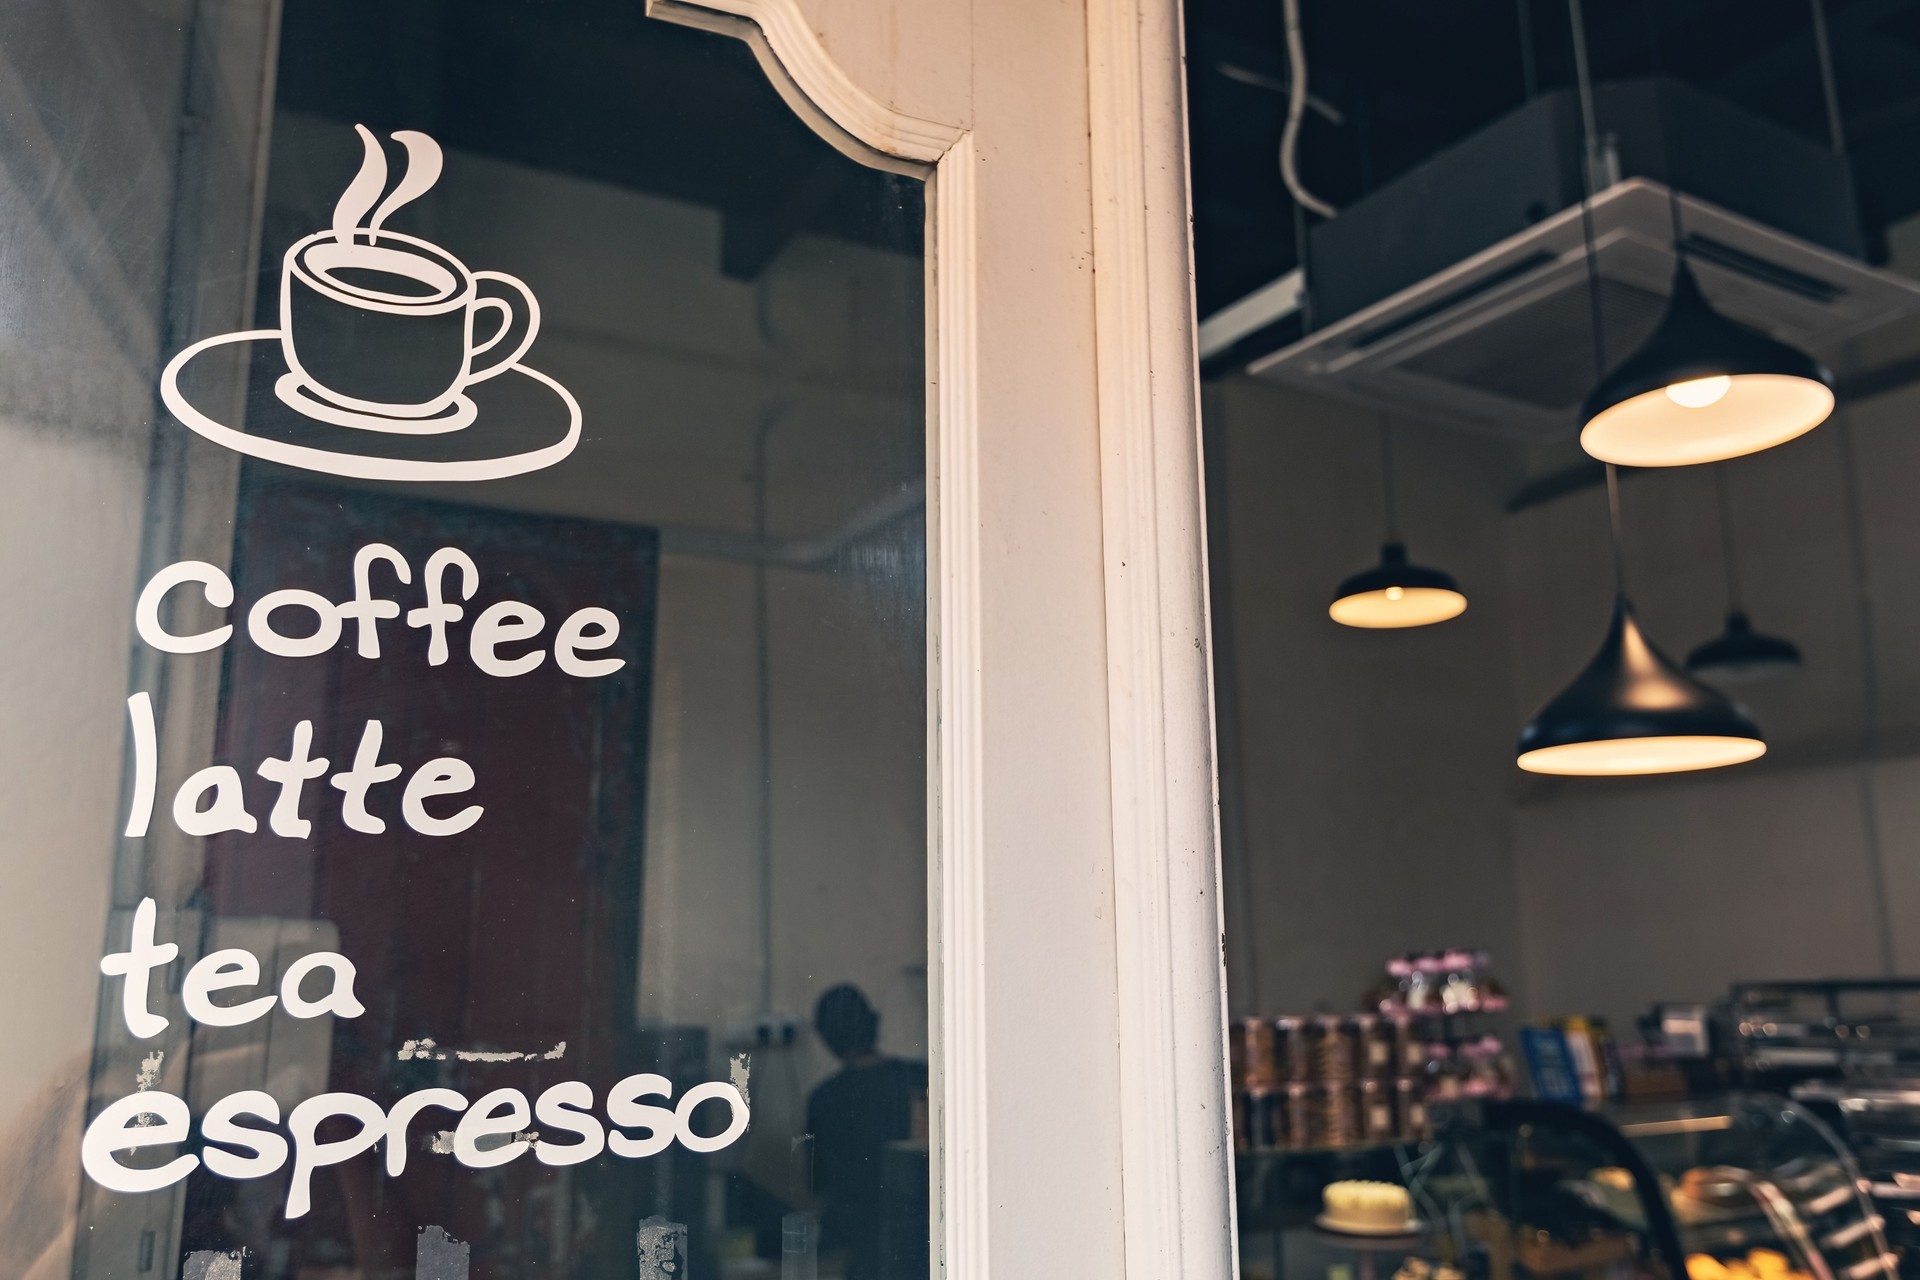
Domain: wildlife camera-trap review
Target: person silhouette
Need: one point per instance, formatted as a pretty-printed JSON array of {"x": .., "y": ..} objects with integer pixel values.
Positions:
[{"x": 853, "y": 1115}]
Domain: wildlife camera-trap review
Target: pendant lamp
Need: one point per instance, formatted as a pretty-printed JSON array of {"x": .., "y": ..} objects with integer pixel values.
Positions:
[
  {"x": 1395, "y": 593},
  {"x": 1702, "y": 388},
  {"x": 1632, "y": 711},
  {"x": 1739, "y": 655}
]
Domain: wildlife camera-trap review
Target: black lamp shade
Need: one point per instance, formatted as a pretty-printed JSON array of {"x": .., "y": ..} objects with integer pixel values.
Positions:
[
  {"x": 1633, "y": 712},
  {"x": 1701, "y": 389},
  {"x": 1741, "y": 655},
  {"x": 1395, "y": 593}
]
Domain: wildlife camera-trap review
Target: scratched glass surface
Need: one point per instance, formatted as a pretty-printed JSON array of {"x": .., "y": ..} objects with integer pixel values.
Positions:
[{"x": 464, "y": 754}]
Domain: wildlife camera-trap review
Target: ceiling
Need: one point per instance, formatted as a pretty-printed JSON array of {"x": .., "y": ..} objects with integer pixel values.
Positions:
[{"x": 1397, "y": 80}]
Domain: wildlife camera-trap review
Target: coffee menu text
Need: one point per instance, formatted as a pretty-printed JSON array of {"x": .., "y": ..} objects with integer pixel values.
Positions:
[{"x": 243, "y": 1133}]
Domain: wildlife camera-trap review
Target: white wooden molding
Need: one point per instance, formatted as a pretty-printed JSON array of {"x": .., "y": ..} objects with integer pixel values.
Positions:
[
  {"x": 957, "y": 917},
  {"x": 866, "y": 129},
  {"x": 1175, "y": 1137},
  {"x": 815, "y": 86}
]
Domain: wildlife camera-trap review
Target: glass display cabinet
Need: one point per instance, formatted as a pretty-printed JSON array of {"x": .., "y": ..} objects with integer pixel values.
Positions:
[{"x": 1742, "y": 1187}]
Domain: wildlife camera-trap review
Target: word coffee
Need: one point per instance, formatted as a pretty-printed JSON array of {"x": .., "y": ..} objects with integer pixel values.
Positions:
[
  {"x": 213, "y": 799},
  {"x": 505, "y": 622}
]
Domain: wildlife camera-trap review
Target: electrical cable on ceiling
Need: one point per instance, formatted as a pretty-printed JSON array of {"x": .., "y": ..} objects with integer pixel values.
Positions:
[
  {"x": 1296, "y": 109},
  {"x": 1829, "y": 86}
]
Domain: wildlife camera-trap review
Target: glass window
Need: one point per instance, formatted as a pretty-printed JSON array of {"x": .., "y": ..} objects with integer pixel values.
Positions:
[
  {"x": 1561, "y": 454},
  {"x": 465, "y": 747}
]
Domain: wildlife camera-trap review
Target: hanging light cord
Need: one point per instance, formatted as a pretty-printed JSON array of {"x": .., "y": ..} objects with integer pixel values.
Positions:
[
  {"x": 1618, "y": 537},
  {"x": 1586, "y": 200},
  {"x": 1600, "y": 371},
  {"x": 1593, "y": 282},
  {"x": 1296, "y": 110},
  {"x": 1868, "y": 754},
  {"x": 1734, "y": 602},
  {"x": 1583, "y": 75},
  {"x": 1829, "y": 88},
  {"x": 1386, "y": 480},
  {"x": 1675, "y": 229}
]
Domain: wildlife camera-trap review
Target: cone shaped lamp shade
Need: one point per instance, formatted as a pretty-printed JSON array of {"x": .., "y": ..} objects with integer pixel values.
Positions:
[
  {"x": 1701, "y": 389},
  {"x": 1741, "y": 655},
  {"x": 1633, "y": 712},
  {"x": 1396, "y": 594}
]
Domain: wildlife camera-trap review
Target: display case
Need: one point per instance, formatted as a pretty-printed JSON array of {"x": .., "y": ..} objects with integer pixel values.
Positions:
[
  {"x": 1750, "y": 1177},
  {"x": 1878, "y": 1116},
  {"x": 1742, "y": 1187}
]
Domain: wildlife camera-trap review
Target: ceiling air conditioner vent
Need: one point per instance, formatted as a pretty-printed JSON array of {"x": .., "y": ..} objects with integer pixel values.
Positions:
[{"x": 1503, "y": 340}]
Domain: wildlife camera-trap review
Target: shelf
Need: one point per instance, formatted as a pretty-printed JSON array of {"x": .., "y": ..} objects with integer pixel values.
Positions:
[
  {"x": 1435, "y": 1015},
  {"x": 1276, "y": 1155}
]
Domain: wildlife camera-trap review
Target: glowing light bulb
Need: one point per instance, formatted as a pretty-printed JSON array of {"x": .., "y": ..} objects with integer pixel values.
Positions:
[
  {"x": 1396, "y": 593},
  {"x": 1698, "y": 393}
]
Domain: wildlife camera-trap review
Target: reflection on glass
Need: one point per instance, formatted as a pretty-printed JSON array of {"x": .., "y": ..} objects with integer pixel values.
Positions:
[{"x": 465, "y": 756}]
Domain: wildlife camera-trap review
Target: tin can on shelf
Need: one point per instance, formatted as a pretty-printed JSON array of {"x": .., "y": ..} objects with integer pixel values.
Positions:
[
  {"x": 1292, "y": 1054},
  {"x": 1411, "y": 1106},
  {"x": 1339, "y": 1115},
  {"x": 1300, "y": 1118},
  {"x": 1259, "y": 1120},
  {"x": 1377, "y": 1123},
  {"x": 1333, "y": 1049},
  {"x": 1250, "y": 1043},
  {"x": 1376, "y": 1047},
  {"x": 1410, "y": 1047}
]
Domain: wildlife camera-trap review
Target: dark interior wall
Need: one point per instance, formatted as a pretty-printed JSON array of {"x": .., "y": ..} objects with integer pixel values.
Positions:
[
  {"x": 1375, "y": 800},
  {"x": 1373, "y": 803},
  {"x": 1374, "y": 768},
  {"x": 1802, "y": 864}
]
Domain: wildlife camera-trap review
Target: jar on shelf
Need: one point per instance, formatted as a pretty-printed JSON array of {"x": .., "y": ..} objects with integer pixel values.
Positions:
[
  {"x": 1423, "y": 985},
  {"x": 1460, "y": 981},
  {"x": 1400, "y": 970}
]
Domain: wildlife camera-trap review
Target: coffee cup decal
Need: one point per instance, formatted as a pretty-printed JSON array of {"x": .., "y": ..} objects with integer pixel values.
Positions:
[{"x": 392, "y": 334}]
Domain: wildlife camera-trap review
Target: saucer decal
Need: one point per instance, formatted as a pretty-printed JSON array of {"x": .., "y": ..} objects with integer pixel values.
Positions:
[{"x": 385, "y": 363}]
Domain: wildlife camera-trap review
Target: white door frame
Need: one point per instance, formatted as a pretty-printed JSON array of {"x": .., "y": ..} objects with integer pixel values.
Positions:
[{"x": 1077, "y": 990}]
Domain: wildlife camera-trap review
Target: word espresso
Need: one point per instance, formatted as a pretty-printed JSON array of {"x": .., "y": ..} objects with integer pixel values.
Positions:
[
  {"x": 213, "y": 799},
  {"x": 242, "y": 1132}
]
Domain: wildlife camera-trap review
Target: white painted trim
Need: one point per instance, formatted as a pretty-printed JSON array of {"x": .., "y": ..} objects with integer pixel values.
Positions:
[
  {"x": 1176, "y": 1143},
  {"x": 814, "y": 85},
  {"x": 958, "y": 915},
  {"x": 861, "y": 126}
]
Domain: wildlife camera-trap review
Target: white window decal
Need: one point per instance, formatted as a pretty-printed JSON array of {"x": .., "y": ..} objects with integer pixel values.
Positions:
[{"x": 385, "y": 344}]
